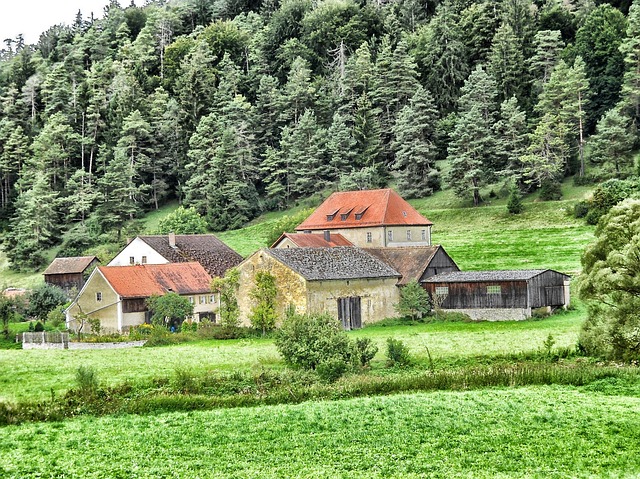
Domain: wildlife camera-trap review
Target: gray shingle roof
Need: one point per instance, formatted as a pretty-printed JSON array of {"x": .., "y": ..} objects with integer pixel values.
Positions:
[
  {"x": 215, "y": 256},
  {"x": 481, "y": 276},
  {"x": 345, "y": 262},
  {"x": 76, "y": 264}
]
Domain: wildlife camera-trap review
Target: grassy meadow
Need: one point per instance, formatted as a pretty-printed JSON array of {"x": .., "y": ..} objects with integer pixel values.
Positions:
[{"x": 549, "y": 431}]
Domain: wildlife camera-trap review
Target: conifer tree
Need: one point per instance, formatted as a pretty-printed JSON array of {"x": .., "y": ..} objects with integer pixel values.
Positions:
[
  {"x": 612, "y": 144},
  {"x": 630, "y": 48},
  {"x": 506, "y": 63},
  {"x": 511, "y": 139}
]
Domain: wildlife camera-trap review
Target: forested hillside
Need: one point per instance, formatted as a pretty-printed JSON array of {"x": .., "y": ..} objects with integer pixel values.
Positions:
[{"x": 236, "y": 107}]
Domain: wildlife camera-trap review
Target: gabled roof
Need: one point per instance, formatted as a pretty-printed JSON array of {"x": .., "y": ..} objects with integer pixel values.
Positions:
[
  {"x": 314, "y": 240},
  {"x": 482, "y": 276},
  {"x": 410, "y": 261},
  {"x": 342, "y": 262},
  {"x": 358, "y": 209},
  {"x": 76, "y": 264},
  {"x": 142, "y": 281},
  {"x": 215, "y": 256}
]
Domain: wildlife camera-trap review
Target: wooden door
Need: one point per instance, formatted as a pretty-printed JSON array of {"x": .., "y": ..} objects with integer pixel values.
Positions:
[{"x": 350, "y": 312}]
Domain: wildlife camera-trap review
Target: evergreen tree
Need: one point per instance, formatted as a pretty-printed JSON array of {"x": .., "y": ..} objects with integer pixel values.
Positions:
[
  {"x": 511, "y": 138},
  {"x": 548, "y": 45},
  {"x": 415, "y": 152},
  {"x": 630, "y": 48},
  {"x": 472, "y": 151},
  {"x": 341, "y": 146},
  {"x": 613, "y": 142},
  {"x": 547, "y": 152},
  {"x": 506, "y": 63}
]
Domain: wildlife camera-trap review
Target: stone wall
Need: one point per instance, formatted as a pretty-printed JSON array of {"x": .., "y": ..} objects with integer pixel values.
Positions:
[{"x": 494, "y": 314}]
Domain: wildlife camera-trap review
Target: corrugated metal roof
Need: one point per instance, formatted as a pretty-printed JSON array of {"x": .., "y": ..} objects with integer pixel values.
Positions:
[
  {"x": 482, "y": 276},
  {"x": 215, "y": 256},
  {"x": 342, "y": 262},
  {"x": 314, "y": 240},
  {"x": 358, "y": 209},
  {"x": 76, "y": 264},
  {"x": 410, "y": 261},
  {"x": 142, "y": 281}
]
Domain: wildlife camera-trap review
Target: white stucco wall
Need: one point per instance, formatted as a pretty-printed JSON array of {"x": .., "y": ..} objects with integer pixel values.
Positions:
[{"x": 137, "y": 248}]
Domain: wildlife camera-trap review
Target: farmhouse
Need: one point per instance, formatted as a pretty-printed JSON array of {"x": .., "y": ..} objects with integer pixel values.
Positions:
[
  {"x": 116, "y": 295},
  {"x": 69, "y": 273},
  {"x": 215, "y": 256},
  {"x": 416, "y": 263},
  {"x": 311, "y": 240},
  {"x": 345, "y": 282},
  {"x": 496, "y": 295},
  {"x": 370, "y": 219}
]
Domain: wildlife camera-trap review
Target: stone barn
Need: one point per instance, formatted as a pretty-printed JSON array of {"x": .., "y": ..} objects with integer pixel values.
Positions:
[
  {"x": 346, "y": 282},
  {"x": 499, "y": 295}
]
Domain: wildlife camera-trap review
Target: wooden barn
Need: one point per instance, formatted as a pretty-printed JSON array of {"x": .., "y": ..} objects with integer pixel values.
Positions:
[
  {"x": 416, "y": 263},
  {"x": 498, "y": 295},
  {"x": 69, "y": 273}
]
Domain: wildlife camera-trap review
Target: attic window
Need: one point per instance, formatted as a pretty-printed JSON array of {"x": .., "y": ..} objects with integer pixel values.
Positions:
[
  {"x": 360, "y": 212},
  {"x": 358, "y": 216},
  {"x": 332, "y": 215},
  {"x": 345, "y": 215},
  {"x": 404, "y": 213}
]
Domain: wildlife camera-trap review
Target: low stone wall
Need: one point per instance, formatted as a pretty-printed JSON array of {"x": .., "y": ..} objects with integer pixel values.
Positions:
[
  {"x": 54, "y": 340},
  {"x": 494, "y": 314}
]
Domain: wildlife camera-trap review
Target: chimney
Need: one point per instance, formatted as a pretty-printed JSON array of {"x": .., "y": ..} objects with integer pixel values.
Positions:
[
  {"x": 172, "y": 240},
  {"x": 327, "y": 235}
]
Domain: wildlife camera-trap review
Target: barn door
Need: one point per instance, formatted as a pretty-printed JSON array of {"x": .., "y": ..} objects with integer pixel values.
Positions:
[{"x": 350, "y": 312}]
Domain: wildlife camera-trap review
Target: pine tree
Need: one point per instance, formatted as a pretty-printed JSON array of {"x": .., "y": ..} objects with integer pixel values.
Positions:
[
  {"x": 630, "y": 48},
  {"x": 472, "y": 151},
  {"x": 547, "y": 152},
  {"x": 341, "y": 146},
  {"x": 511, "y": 138},
  {"x": 415, "y": 152},
  {"x": 506, "y": 63},
  {"x": 612, "y": 145},
  {"x": 548, "y": 45}
]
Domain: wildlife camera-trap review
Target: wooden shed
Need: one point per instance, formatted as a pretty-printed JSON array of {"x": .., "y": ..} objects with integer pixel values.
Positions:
[
  {"x": 69, "y": 273},
  {"x": 496, "y": 295}
]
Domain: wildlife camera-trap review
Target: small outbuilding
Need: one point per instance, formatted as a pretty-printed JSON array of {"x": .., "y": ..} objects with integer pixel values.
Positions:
[
  {"x": 499, "y": 295},
  {"x": 345, "y": 282},
  {"x": 416, "y": 263},
  {"x": 70, "y": 273}
]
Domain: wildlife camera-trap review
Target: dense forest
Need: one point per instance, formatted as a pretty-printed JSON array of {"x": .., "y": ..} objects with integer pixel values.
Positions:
[{"x": 236, "y": 107}]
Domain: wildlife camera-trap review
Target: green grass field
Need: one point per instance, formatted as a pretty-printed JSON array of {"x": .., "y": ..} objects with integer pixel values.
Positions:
[
  {"x": 550, "y": 432},
  {"x": 33, "y": 374}
]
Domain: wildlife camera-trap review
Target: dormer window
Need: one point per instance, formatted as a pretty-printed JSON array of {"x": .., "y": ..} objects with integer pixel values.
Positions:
[
  {"x": 332, "y": 215},
  {"x": 360, "y": 212},
  {"x": 358, "y": 216},
  {"x": 404, "y": 213},
  {"x": 345, "y": 215}
]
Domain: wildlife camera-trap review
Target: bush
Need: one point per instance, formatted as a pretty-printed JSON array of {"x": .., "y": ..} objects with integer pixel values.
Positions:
[
  {"x": 39, "y": 327},
  {"x": 43, "y": 299},
  {"x": 581, "y": 209},
  {"x": 397, "y": 353},
  {"x": 87, "y": 380},
  {"x": 332, "y": 369},
  {"x": 365, "y": 350},
  {"x": 309, "y": 340},
  {"x": 550, "y": 191},
  {"x": 514, "y": 205}
]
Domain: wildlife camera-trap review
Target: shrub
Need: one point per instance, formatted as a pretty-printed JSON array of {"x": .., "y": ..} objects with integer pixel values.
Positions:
[
  {"x": 309, "y": 340},
  {"x": 397, "y": 353},
  {"x": 87, "y": 380},
  {"x": 365, "y": 350},
  {"x": 43, "y": 299},
  {"x": 39, "y": 327},
  {"x": 182, "y": 221},
  {"x": 332, "y": 369},
  {"x": 550, "y": 191},
  {"x": 514, "y": 205},
  {"x": 414, "y": 301},
  {"x": 56, "y": 317}
]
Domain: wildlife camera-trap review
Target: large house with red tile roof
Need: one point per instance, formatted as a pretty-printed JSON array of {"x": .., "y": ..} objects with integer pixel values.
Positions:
[
  {"x": 116, "y": 295},
  {"x": 370, "y": 219}
]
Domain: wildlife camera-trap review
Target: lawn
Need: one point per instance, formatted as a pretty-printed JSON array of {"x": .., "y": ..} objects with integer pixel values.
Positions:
[
  {"x": 546, "y": 431},
  {"x": 33, "y": 374}
]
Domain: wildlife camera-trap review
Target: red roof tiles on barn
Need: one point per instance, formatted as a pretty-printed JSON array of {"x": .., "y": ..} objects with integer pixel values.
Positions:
[
  {"x": 357, "y": 209},
  {"x": 142, "y": 281}
]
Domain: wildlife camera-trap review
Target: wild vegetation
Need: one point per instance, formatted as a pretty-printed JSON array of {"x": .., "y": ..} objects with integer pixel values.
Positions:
[{"x": 239, "y": 108}]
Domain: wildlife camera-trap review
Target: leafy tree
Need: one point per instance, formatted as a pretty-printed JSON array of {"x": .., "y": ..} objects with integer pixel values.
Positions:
[
  {"x": 263, "y": 313},
  {"x": 414, "y": 301},
  {"x": 285, "y": 224},
  {"x": 415, "y": 153},
  {"x": 169, "y": 309},
  {"x": 182, "y": 221},
  {"x": 43, "y": 299},
  {"x": 611, "y": 285},
  {"x": 227, "y": 288}
]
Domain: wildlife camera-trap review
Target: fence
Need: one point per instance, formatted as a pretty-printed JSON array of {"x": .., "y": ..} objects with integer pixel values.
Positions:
[{"x": 45, "y": 340}]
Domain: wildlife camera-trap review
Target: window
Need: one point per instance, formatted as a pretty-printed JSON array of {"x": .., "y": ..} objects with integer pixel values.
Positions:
[
  {"x": 494, "y": 289},
  {"x": 330, "y": 217},
  {"x": 132, "y": 260},
  {"x": 442, "y": 290},
  {"x": 389, "y": 235},
  {"x": 404, "y": 213},
  {"x": 369, "y": 237},
  {"x": 424, "y": 235},
  {"x": 408, "y": 235},
  {"x": 99, "y": 297},
  {"x": 212, "y": 299},
  {"x": 191, "y": 299},
  {"x": 203, "y": 300},
  {"x": 144, "y": 260},
  {"x": 358, "y": 216}
]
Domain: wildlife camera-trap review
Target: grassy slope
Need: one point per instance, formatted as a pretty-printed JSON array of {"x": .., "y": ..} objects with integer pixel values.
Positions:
[
  {"x": 34, "y": 373},
  {"x": 550, "y": 432}
]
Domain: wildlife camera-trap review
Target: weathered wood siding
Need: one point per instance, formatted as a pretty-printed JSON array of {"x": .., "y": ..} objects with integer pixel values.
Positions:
[
  {"x": 513, "y": 294},
  {"x": 66, "y": 281},
  {"x": 547, "y": 289},
  {"x": 441, "y": 263}
]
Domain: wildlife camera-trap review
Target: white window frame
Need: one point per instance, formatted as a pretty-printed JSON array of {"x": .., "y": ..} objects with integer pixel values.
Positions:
[
  {"x": 408, "y": 235},
  {"x": 442, "y": 290},
  {"x": 390, "y": 236},
  {"x": 98, "y": 296},
  {"x": 369, "y": 237},
  {"x": 132, "y": 260},
  {"x": 494, "y": 289},
  {"x": 424, "y": 235},
  {"x": 144, "y": 260}
]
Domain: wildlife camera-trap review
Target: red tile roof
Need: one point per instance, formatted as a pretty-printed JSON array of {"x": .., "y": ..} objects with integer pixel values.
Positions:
[
  {"x": 142, "y": 281},
  {"x": 314, "y": 240},
  {"x": 75, "y": 264},
  {"x": 358, "y": 209}
]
